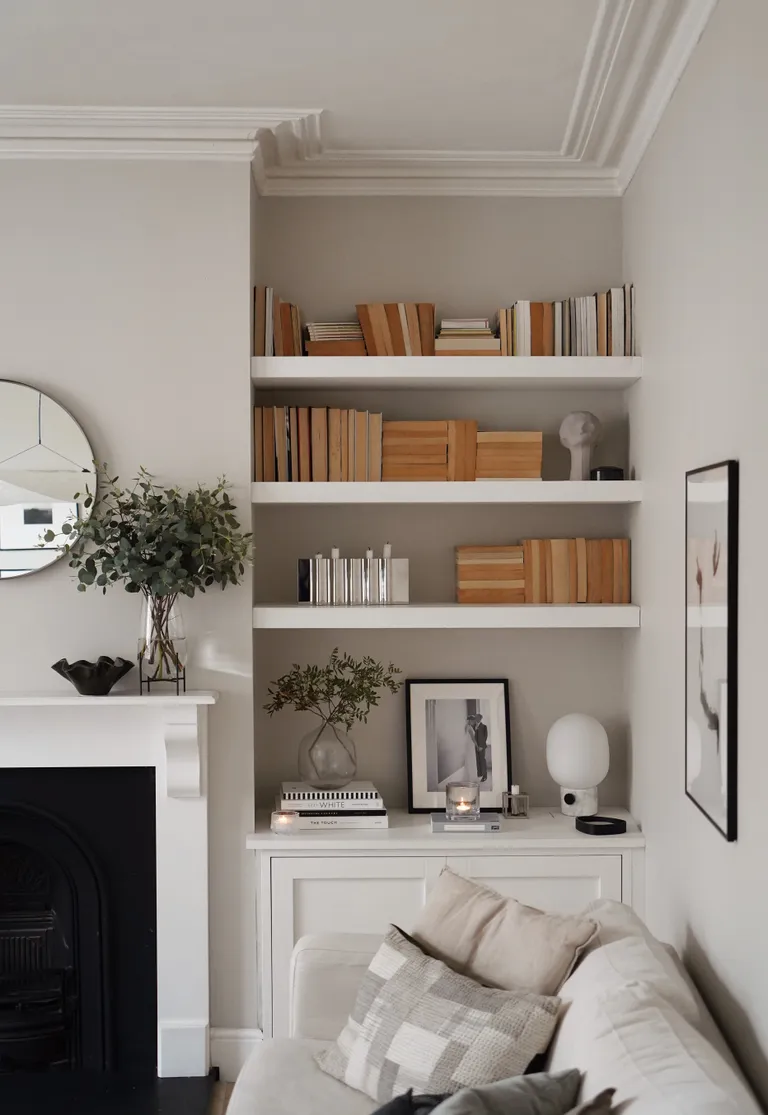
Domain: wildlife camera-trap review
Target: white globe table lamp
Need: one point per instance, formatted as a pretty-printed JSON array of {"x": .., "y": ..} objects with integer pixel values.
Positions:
[{"x": 578, "y": 758}]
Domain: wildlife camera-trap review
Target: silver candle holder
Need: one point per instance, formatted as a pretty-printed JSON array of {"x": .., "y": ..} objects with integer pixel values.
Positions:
[{"x": 339, "y": 581}]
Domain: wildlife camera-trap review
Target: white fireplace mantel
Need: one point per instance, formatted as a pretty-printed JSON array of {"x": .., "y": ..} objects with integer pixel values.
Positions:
[{"x": 170, "y": 733}]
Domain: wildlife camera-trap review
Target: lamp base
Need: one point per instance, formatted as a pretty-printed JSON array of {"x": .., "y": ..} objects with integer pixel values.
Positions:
[{"x": 578, "y": 803}]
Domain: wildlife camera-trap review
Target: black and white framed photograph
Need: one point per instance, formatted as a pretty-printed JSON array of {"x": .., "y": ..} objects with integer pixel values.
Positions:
[
  {"x": 457, "y": 731},
  {"x": 711, "y": 538}
]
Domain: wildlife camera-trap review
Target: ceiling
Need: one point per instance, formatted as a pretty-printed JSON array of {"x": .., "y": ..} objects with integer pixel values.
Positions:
[{"x": 411, "y": 96}]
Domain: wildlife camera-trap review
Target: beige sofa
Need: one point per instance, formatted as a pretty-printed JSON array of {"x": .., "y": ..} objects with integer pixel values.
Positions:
[{"x": 632, "y": 1021}]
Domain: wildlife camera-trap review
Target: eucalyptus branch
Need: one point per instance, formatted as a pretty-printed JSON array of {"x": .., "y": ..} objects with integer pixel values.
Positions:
[
  {"x": 159, "y": 541},
  {"x": 349, "y": 687}
]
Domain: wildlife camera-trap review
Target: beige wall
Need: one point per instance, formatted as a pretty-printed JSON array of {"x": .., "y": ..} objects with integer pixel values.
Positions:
[
  {"x": 696, "y": 230},
  {"x": 124, "y": 293},
  {"x": 469, "y": 255}
]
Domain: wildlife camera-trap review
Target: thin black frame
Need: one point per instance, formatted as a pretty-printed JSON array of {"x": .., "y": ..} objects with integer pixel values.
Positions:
[
  {"x": 732, "y": 592},
  {"x": 453, "y": 681}
]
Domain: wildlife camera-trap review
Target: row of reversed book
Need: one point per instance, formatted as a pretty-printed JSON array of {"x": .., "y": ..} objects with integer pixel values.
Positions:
[
  {"x": 328, "y": 444},
  {"x": 600, "y": 324},
  {"x": 545, "y": 571}
]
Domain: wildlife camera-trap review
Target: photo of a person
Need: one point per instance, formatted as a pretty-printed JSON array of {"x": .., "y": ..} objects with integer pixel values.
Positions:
[
  {"x": 458, "y": 742},
  {"x": 478, "y": 730},
  {"x": 457, "y": 731}
]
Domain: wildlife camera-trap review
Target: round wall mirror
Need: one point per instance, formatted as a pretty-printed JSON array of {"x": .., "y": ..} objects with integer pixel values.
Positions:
[{"x": 45, "y": 459}]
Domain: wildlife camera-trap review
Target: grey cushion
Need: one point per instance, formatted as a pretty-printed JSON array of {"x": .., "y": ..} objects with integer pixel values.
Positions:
[
  {"x": 418, "y": 1024},
  {"x": 537, "y": 1094}
]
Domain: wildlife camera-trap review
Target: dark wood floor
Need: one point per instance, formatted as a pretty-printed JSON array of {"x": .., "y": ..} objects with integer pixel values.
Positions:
[{"x": 71, "y": 1094}]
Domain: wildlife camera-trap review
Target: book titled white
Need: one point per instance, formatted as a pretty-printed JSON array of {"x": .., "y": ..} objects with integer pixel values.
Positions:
[{"x": 353, "y": 797}]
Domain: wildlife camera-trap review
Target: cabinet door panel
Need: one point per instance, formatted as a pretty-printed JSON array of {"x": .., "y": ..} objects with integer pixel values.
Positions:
[
  {"x": 340, "y": 895},
  {"x": 562, "y": 884}
]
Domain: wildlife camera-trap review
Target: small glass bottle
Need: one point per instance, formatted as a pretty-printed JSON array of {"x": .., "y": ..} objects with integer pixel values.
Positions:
[{"x": 514, "y": 803}]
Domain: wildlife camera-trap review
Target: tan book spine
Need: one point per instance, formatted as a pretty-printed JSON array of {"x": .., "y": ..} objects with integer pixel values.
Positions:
[
  {"x": 412, "y": 317},
  {"x": 462, "y": 450},
  {"x": 375, "y": 424},
  {"x": 560, "y": 574},
  {"x": 361, "y": 445},
  {"x": 617, "y": 587},
  {"x": 381, "y": 335},
  {"x": 414, "y": 472},
  {"x": 351, "y": 456},
  {"x": 293, "y": 429},
  {"x": 528, "y": 566},
  {"x": 277, "y": 326},
  {"x": 298, "y": 336},
  {"x": 594, "y": 571},
  {"x": 334, "y": 444},
  {"x": 270, "y": 451},
  {"x": 319, "y": 424},
  {"x": 345, "y": 445},
  {"x": 258, "y": 445},
  {"x": 281, "y": 445},
  {"x": 626, "y": 572},
  {"x": 305, "y": 445},
  {"x": 537, "y": 328},
  {"x": 395, "y": 328},
  {"x": 573, "y": 573},
  {"x": 286, "y": 327},
  {"x": 606, "y": 557},
  {"x": 259, "y": 320},
  {"x": 548, "y": 329},
  {"x": 404, "y": 328},
  {"x": 364, "y": 317},
  {"x": 549, "y": 589},
  {"x": 503, "y": 335},
  {"x": 581, "y": 570},
  {"x": 336, "y": 348},
  {"x": 427, "y": 327}
]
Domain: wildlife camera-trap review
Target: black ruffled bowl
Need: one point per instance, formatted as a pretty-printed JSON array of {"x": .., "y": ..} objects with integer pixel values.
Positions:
[{"x": 93, "y": 679}]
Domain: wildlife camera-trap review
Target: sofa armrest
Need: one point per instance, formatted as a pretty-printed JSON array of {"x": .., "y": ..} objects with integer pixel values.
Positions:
[{"x": 326, "y": 970}]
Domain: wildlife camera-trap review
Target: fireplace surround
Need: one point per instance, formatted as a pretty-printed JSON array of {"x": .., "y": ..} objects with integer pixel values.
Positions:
[{"x": 104, "y": 883}]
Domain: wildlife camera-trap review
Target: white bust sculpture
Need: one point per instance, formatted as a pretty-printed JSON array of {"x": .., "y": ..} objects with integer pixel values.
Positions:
[{"x": 579, "y": 431}]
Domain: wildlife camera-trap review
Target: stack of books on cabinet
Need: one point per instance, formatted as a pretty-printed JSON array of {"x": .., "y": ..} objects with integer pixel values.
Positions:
[
  {"x": 358, "y": 805},
  {"x": 467, "y": 336}
]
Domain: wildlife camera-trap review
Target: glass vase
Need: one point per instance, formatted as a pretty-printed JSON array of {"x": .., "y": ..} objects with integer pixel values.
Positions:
[
  {"x": 327, "y": 757},
  {"x": 162, "y": 643}
]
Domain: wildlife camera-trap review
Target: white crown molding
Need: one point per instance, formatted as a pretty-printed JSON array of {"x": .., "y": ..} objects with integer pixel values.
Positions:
[
  {"x": 190, "y": 134},
  {"x": 637, "y": 52},
  {"x": 680, "y": 46}
]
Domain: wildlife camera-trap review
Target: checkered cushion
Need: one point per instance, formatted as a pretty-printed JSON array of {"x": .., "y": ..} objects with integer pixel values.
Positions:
[{"x": 418, "y": 1024}]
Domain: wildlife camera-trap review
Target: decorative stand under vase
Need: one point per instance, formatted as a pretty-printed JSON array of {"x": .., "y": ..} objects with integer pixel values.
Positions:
[
  {"x": 162, "y": 644},
  {"x": 327, "y": 757}
]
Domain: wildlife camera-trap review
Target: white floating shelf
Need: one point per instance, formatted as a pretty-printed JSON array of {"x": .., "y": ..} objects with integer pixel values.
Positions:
[
  {"x": 616, "y": 372},
  {"x": 430, "y": 616},
  {"x": 119, "y": 699},
  {"x": 461, "y": 492}
]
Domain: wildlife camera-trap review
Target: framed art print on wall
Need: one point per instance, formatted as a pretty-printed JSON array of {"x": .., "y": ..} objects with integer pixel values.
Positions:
[
  {"x": 457, "y": 730},
  {"x": 711, "y": 682}
]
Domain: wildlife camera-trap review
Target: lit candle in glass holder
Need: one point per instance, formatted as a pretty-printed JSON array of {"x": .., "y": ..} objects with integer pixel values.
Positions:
[
  {"x": 285, "y": 821},
  {"x": 462, "y": 799}
]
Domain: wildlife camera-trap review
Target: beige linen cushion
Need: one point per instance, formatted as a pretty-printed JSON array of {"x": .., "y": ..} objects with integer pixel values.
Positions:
[
  {"x": 497, "y": 940},
  {"x": 418, "y": 1024}
]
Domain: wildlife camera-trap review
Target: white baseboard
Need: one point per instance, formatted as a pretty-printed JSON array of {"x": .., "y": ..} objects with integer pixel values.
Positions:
[{"x": 230, "y": 1049}]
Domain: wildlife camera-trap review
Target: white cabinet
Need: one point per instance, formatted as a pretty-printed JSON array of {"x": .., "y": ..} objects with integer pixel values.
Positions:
[{"x": 361, "y": 882}]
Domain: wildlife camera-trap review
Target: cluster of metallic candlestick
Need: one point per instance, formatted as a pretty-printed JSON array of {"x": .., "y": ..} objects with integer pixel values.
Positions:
[{"x": 337, "y": 580}]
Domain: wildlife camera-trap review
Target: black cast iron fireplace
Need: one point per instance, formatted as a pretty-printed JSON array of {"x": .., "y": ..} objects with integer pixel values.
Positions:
[{"x": 78, "y": 967}]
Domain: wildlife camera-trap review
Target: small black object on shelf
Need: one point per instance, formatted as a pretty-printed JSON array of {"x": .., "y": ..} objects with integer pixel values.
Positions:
[
  {"x": 93, "y": 679},
  {"x": 606, "y": 472},
  {"x": 601, "y": 826}
]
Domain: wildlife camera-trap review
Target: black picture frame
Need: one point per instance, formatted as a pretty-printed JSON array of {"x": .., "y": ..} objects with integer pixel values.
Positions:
[
  {"x": 420, "y": 798},
  {"x": 711, "y": 643}
]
